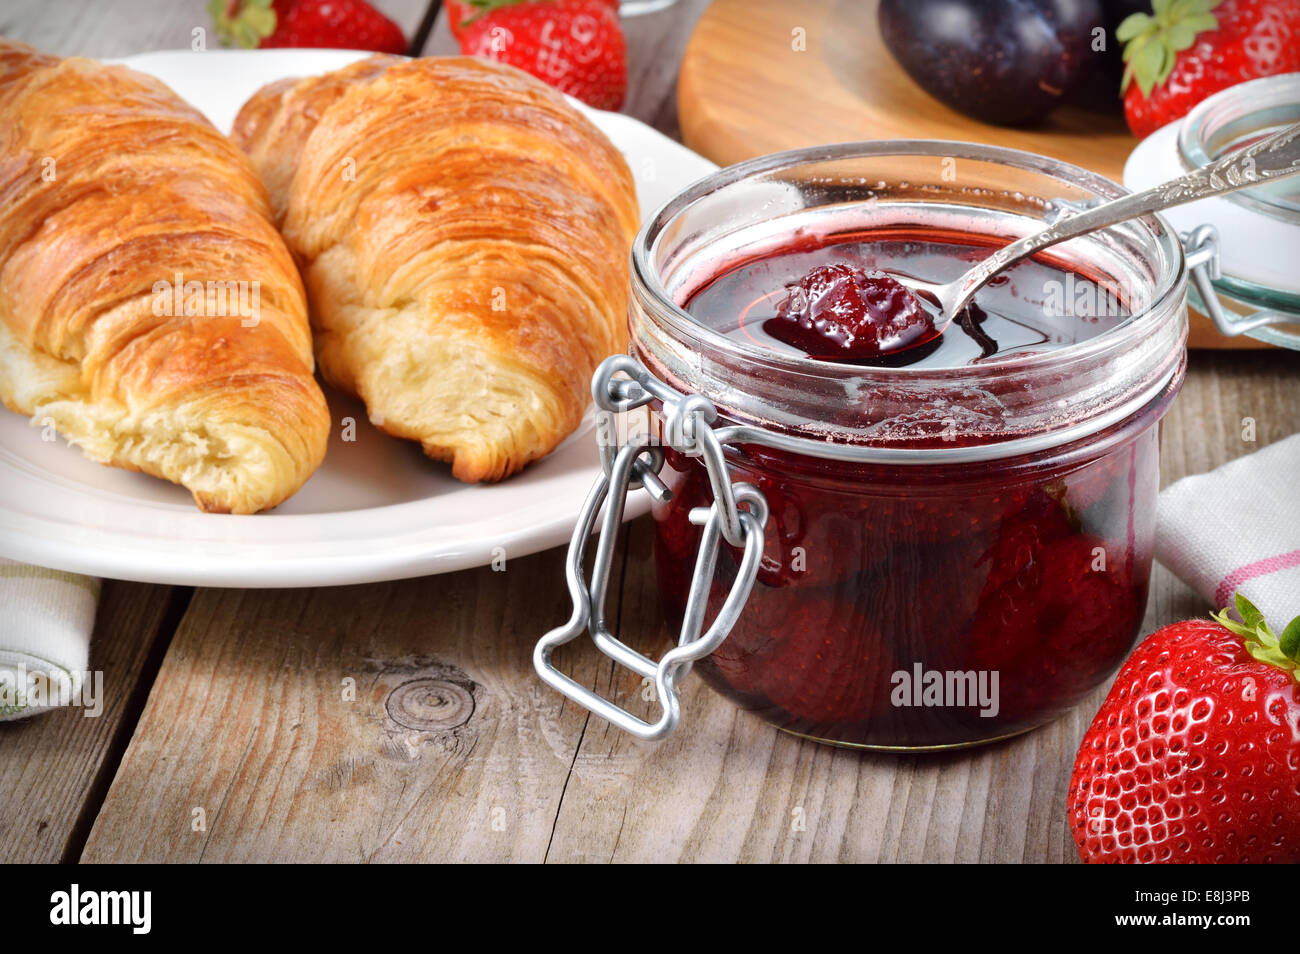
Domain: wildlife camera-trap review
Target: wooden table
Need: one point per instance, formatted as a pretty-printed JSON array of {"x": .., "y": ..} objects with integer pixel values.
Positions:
[{"x": 403, "y": 722}]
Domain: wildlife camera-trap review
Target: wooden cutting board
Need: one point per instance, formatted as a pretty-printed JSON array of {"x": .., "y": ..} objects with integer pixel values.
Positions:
[{"x": 760, "y": 76}]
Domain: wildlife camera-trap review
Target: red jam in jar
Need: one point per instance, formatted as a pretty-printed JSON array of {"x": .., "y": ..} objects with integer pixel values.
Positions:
[
  {"x": 784, "y": 301},
  {"x": 961, "y": 546},
  {"x": 1020, "y": 586}
]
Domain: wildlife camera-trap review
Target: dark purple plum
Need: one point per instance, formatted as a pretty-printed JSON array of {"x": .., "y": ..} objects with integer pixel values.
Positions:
[
  {"x": 1007, "y": 62},
  {"x": 1100, "y": 90}
]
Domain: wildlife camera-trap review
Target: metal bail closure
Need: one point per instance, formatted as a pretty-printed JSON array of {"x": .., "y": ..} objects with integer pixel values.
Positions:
[
  {"x": 738, "y": 514},
  {"x": 1201, "y": 250}
]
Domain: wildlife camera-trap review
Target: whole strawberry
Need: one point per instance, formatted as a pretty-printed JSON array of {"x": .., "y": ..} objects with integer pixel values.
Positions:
[
  {"x": 335, "y": 24},
  {"x": 827, "y": 665},
  {"x": 1186, "y": 50},
  {"x": 575, "y": 45},
  {"x": 1195, "y": 754},
  {"x": 1058, "y": 610}
]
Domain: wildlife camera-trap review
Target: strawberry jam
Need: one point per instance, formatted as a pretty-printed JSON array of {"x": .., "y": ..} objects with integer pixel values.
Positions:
[
  {"x": 918, "y": 605},
  {"x": 836, "y": 300}
]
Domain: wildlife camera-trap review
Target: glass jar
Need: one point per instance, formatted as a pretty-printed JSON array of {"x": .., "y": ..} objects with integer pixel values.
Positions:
[
  {"x": 1266, "y": 219},
  {"x": 1235, "y": 118},
  {"x": 946, "y": 555},
  {"x": 1252, "y": 286}
]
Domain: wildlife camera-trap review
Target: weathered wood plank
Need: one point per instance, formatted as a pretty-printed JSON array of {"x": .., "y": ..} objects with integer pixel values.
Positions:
[
  {"x": 450, "y": 749},
  {"x": 55, "y": 767}
]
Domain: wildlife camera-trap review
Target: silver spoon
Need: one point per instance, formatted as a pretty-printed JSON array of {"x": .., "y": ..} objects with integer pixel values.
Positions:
[{"x": 1271, "y": 158}]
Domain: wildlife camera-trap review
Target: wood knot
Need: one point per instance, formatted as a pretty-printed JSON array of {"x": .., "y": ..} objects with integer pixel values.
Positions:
[{"x": 430, "y": 705}]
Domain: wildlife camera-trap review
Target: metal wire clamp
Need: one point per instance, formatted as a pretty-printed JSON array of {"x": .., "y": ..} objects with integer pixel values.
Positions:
[
  {"x": 1201, "y": 249},
  {"x": 738, "y": 515}
]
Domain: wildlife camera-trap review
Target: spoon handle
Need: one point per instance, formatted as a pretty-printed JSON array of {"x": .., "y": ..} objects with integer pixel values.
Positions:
[{"x": 1271, "y": 158}]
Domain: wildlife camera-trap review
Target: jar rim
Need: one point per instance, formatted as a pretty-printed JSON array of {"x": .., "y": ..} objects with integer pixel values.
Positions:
[{"x": 643, "y": 273}]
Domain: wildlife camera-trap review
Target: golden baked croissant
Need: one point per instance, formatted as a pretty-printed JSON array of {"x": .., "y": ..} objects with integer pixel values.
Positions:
[
  {"x": 464, "y": 236},
  {"x": 149, "y": 310}
]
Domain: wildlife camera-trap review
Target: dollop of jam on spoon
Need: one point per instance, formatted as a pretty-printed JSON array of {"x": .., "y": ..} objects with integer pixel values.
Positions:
[{"x": 838, "y": 312}]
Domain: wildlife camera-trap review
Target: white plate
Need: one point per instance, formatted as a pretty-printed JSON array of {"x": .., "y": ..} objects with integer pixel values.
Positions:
[{"x": 377, "y": 509}]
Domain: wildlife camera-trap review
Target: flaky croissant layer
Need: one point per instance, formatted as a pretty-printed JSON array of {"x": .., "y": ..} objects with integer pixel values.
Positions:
[
  {"x": 463, "y": 234},
  {"x": 149, "y": 310}
]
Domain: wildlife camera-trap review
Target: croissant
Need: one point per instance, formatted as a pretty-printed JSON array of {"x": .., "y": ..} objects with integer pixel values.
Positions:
[
  {"x": 463, "y": 233},
  {"x": 149, "y": 310}
]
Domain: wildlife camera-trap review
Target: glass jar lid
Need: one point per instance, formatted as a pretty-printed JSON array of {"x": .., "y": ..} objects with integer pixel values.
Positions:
[{"x": 1236, "y": 117}]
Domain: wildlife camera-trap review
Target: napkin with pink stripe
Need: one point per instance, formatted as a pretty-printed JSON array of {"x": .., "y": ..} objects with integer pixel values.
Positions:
[{"x": 1237, "y": 529}]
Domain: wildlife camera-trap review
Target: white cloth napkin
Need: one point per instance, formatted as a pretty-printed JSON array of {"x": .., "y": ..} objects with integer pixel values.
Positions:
[
  {"x": 1237, "y": 529},
  {"x": 46, "y": 617}
]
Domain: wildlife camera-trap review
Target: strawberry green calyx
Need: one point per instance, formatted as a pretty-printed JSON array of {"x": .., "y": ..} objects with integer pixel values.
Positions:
[
  {"x": 242, "y": 23},
  {"x": 1280, "y": 651},
  {"x": 483, "y": 7},
  {"x": 1154, "y": 40}
]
